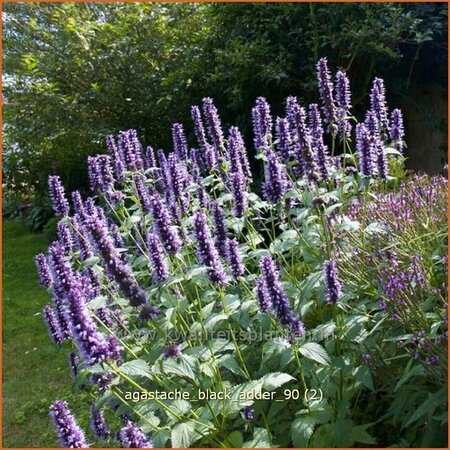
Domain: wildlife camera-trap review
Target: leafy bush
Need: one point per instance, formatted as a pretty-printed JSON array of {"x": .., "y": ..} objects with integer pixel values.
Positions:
[{"x": 201, "y": 313}]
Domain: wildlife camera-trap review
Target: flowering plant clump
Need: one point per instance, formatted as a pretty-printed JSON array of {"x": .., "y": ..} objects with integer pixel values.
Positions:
[{"x": 198, "y": 312}]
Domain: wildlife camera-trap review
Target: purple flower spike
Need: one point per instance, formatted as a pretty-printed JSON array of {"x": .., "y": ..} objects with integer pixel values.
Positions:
[
  {"x": 116, "y": 266},
  {"x": 58, "y": 196},
  {"x": 179, "y": 141},
  {"x": 278, "y": 298},
  {"x": 333, "y": 288},
  {"x": 64, "y": 235},
  {"x": 343, "y": 103},
  {"x": 98, "y": 424},
  {"x": 43, "y": 269},
  {"x": 276, "y": 182},
  {"x": 131, "y": 436},
  {"x": 326, "y": 94},
  {"x": 102, "y": 380},
  {"x": 131, "y": 149},
  {"x": 62, "y": 273},
  {"x": 159, "y": 262},
  {"x": 91, "y": 344},
  {"x": 117, "y": 155},
  {"x": 166, "y": 232},
  {"x": 284, "y": 138},
  {"x": 104, "y": 167},
  {"x": 93, "y": 173},
  {"x": 322, "y": 158},
  {"x": 149, "y": 312},
  {"x": 213, "y": 123},
  {"x": 396, "y": 129},
  {"x": 77, "y": 203},
  {"x": 262, "y": 124},
  {"x": 69, "y": 433},
  {"x": 235, "y": 259},
  {"x": 220, "y": 229},
  {"x": 142, "y": 192},
  {"x": 150, "y": 158},
  {"x": 198, "y": 127},
  {"x": 74, "y": 362},
  {"x": 54, "y": 331},
  {"x": 206, "y": 250},
  {"x": 365, "y": 150},
  {"x": 238, "y": 190},
  {"x": 262, "y": 295},
  {"x": 378, "y": 102},
  {"x": 382, "y": 163}
]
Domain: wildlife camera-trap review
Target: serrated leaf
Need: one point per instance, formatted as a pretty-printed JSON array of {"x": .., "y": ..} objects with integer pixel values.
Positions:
[
  {"x": 183, "y": 435},
  {"x": 183, "y": 366},
  {"x": 138, "y": 367},
  {"x": 316, "y": 352},
  {"x": 301, "y": 431},
  {"x": 274, "y": 380}
]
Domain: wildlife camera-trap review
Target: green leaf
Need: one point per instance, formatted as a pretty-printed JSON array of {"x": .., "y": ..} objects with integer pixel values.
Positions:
[
  {"x": 364, "y": 376},
  {"x": 315, "y": 352},
  {"x": 138, "y": 367},
  {"x": 359, "y": 434},
  {"x": 183, "y": 366},
  {"x": 274, "y": 380},
  {"x": 184, "y": 434},
  {"x": 235, "y": 440},
  {"x": 301, "y": 431}
]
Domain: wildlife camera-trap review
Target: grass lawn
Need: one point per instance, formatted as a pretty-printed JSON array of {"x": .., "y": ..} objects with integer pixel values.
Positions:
[{"x": 35, "y": 372}]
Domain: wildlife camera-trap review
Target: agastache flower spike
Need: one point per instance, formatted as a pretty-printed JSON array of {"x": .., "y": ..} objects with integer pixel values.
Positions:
[
  {"x": 131, "y": 149},
  {"x": 69, "y": 433},
  {"x": 378, "y": 102},
  {"x": 77, "y": 203},
  {"x": 98, "y": 424},
  {"x": 206, "y": 250},
  {"x": 62, "y": 273},
  {"x": 262, "y": 295},
  {"x": 58, "y": 196},
  {"x": 262, "y": 123},
  {"x": 213, "y": 123},
  {"x": 326, "y": 94},
  {"x": 105, "y": 172},
  {"x": 396, "y": 130},
  {"x": 179, "y": 141},
  {"x": 164, "y": 229},
  {"x": 382, "y": 163},
  {"x": 333, "y": 288},
  {"x": 235, "y": 259},
  {"x": 52, "y": 322},
  {"x": 64, "y": 236},
  {"x": 283, "y": 136},
  {"x": 43, "y": 269},
  {"x": 278, "y": 298},
  {"x": 159, "y": 262},
  {"x": 198, "y": 127},
  {"x": 238, "y": 190},
  {"x": 276, "y": 182},
  {"x": 93, "y": 173},
  {"x": 131, "y": 436},
  {"x": 142, "y": 192},
  {"x": 365, "y": 150},
  {"x": 149, "y": 158},
  {"x": 343, "y": 103},
  {"x": 220, "y": 229},
  {"x": 117, "y": 268},
  {"x": 117, "y": 155},
  {"x": 322, "y": 158}
]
